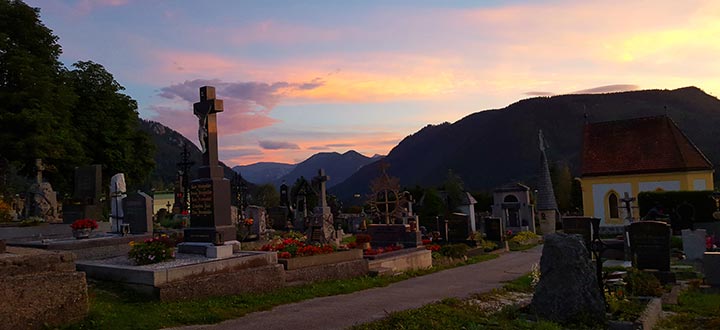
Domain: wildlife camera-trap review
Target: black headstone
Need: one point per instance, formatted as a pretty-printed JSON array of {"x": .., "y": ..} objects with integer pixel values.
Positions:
[
  {"x": 88, "y": 180},
  {"x": 458, "y": 228},
  {"x": 494, "y": 230},
  {"x": 650, "y": 245},
  {"x": 384, "y": 235},
  {"x": 581, "y": 226},
  {"x": 138, "y": 212}
]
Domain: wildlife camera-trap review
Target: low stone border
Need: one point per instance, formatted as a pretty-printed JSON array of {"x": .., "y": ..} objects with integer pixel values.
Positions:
[
  {"x": 400, "y": 261},
  {"x": 98, "y": 247},
  {"x": 647, "y": 320},
  {"x": 321, "y": 259}
]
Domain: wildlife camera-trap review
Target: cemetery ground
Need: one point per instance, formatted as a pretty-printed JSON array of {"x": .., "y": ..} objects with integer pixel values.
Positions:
[{"x": 111, "y": 304}]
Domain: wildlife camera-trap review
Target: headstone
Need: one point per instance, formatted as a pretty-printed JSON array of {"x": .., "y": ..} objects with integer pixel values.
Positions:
[
  {"x": 383, "y": 235},
  {"x": 650, "y": 245},
  {"x": 138, "y": 210},
  {"x": 278, "y": 217},
  {"x": 711, "y": 268},
  {"x": 457, "y": 227},
  {"x": 568, "y": 289},
  {"x": 210, "y": 193},
  {"x": 259, "y": 226},
  {"x": 86, "y": 195},
  {"x": 43, "y": 200},
  {"x": 694, "y": 243},
  {"x": 321, "y": 223},
  {"x": 117, "y": 194},
  {"x": 494, "y": 229},
  {"x": 580, "y": 226}
]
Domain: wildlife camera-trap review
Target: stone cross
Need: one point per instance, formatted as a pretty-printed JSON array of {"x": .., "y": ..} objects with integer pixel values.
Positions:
[
  {"x": 627, "y": 200},
  {"x": 40, "y": 168},
  {"x": 206, "y": 110},
  {"x": 322, "y": 178}
]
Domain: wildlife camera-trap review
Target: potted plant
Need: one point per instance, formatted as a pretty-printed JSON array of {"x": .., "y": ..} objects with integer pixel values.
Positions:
[{"x": 83, "y": 227}]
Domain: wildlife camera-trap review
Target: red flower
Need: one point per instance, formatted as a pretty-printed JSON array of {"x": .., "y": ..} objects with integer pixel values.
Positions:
[
  {"x": 284, "y": 255},
  {"x": 84, "y": 223}
]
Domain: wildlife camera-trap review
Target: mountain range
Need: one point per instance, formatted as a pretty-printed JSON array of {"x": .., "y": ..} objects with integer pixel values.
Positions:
[
  {"x": 493, "y": 147},
  {"x": 486, "y": 149},
  {"x": 338, "y": 166}
]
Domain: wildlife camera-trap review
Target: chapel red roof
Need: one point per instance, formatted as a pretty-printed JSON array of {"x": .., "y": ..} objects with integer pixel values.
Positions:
[{"x": 641, "y": 145}]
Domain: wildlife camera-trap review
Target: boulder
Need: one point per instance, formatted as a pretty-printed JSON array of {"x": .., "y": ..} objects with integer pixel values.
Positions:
[{"x": 568, "y": 289}]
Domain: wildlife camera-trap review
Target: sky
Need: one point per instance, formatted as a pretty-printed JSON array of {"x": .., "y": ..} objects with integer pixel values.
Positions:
[{"x": 301, "y": 77}]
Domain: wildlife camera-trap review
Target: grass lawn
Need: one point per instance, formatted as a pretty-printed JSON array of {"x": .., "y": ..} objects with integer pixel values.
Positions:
[
  {"x": 695, "y": 310},
  {"x": 113, "y": 307},
  {"x": 459, "y": 314}
]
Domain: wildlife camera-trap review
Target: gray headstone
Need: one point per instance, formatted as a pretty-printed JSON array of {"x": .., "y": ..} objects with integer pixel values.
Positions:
[
  {"x": 568, "y": 287},
  {"x": 650, "y": 245},
  {"x": 581, "y": 226},
  {"x": 694, "y": 243},
  {"x": 138, "y": 210}
]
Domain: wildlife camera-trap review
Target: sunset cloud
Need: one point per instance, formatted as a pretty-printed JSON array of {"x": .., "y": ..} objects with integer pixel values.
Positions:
[{"x": 277, "y": 145}]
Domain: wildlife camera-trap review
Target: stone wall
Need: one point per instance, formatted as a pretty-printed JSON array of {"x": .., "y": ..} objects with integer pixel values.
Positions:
[
  {"x": 40, "y": 287},
  {"x": 335, "y": 271},
  {"x": 233, "y": 282}
]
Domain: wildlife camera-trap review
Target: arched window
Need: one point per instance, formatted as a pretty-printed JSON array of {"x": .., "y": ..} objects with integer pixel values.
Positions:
[{"x": 613, "y": 205}]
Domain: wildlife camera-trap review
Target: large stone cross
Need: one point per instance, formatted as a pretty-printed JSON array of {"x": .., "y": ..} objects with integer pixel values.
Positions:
[
  {"x": 322, "y": 178},
  {"x": 206, "y": 111},
  {"x": 627, "y": 200}
]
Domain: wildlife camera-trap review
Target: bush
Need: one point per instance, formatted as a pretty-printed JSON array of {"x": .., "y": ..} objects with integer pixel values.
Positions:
[
  {"x": 523, "y": 236},
  {"x": 454, "y": 250},
  {"x": 669, "y": 200},
  {"x": 5, "y": 212},
  {"x": 152, "y": 250},
  {"x": 676, "y": 242},
  {"x": 640, "y": 283},
  {"x": 488, "y": 246},
  {"x": 362, "y": 238}
]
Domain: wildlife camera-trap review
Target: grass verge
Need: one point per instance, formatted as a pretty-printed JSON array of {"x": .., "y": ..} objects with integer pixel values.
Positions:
[
  {"x": 114, "y": 307},
  {"x": 695, "y": 310}
]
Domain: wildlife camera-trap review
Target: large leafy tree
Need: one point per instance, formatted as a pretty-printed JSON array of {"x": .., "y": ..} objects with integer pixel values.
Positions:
[
  {"x": 108, "y": 125},
  {"x": 35, "y": 104},
  {"x": 67, "y": 118}
]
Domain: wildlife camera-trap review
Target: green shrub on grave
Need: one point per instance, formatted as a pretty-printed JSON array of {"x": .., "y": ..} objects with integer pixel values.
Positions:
[
  {"x": 670, "y": 200},
  {"x": 454, "y": 250},
  {"x": 641, "y": 283}
]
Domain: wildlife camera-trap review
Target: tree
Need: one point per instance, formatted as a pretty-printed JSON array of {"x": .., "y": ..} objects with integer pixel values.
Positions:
[
  {"x": 432, "y": 206},
  {"x": 562, "y": 186},
  {"x": 35, "y": 104},
  {"x": 454, "y": 189},
  {"x": 108, "y": 124},
  {"x": 266, "y": 196}
]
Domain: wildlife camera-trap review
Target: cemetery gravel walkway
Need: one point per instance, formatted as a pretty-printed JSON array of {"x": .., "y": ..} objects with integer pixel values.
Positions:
[{"x": 343, "y": 311}]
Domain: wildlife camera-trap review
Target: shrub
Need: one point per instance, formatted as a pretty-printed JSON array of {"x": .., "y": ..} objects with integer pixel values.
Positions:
[
  {"x": 640, "y": 283},
  {"x": 676, "y": 242},
  {"x": 488, "y": 246},
  {"x": 153, "y": 250},
  {"x": 5, "y": 212},
  {"x": 293, "y": 234},
  {"x": 523, "y": 236},
  {"x": 454, "y": 250}
]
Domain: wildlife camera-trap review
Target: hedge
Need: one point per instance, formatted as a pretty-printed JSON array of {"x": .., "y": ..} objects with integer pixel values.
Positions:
[{"x": 701, "y": 201}]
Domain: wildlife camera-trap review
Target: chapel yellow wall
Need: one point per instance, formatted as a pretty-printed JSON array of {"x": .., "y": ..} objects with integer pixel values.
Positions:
[{"x": 686, "y": 181}]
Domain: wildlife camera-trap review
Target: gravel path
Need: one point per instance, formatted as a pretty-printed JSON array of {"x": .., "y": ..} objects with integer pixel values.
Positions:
[{"x": 343, "y": 311}]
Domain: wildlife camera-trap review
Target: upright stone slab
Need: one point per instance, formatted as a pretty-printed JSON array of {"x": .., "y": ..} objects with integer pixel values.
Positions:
[
  {"x": 568, "y": 289},
  {"x": 650, "y": 245},
  {"x": 694, "y": 243},
  {"x": 711, "y": 268},
  {"x": 138, "y": 212},
  {"x": 581, "y": 226},
  {"x": 321, "y": 224},
  {"x": 86, "y": 195},
  {"x": 494, "y": 229},
  {"x": 210, "y": 193},
  {"x": 458, "y": 229}
]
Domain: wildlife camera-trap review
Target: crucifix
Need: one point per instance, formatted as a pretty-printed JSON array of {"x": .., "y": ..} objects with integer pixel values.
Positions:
[
  {"x": 322, "y": 178},
  {"x": 40, "y": 168},
  {"x": 206, "y": 110},
  {"x": 627, "y": 200}
]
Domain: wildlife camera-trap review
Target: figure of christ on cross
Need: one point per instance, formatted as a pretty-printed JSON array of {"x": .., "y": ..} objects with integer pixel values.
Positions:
[
  {"x": 206, "y": 111},
  {"x": 627, "y": 200}
]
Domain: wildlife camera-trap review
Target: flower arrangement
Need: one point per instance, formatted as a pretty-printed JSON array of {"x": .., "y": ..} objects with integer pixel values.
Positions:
[
  {"x": 426, "y": 241},
  {"x": 292, "y": 247},
  {"x": 84, "y": 223},
  {"x": 389, "y": 248},
  {"x": 433, "y": 247},
  {"x": 248, "y": 221},
  {"x": 362, "y": 238},
  {"x": 152, "y": 250}
]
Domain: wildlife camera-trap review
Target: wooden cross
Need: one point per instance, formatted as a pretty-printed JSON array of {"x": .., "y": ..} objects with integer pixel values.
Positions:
[
  {"x": 206, "y": 110},
  {"x": 322, "y": 178}
]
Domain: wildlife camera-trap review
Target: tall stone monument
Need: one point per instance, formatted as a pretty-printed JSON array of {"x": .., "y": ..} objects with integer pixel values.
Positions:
[
  {"x": 43, "y": 200},
  {"x": 117, "y": 194},
  {"x": 210, "y": 220},
  {"x": 321, "y": 226}
]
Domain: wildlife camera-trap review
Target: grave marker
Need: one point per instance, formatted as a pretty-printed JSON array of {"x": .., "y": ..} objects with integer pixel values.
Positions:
[
  {"x": 494, "y": 229},
  {"x": 138, "y": 212},
  {"x": 650, "y": 245}
]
